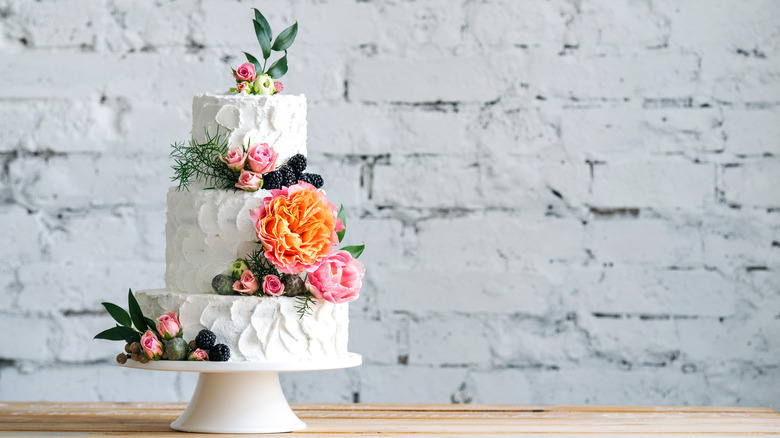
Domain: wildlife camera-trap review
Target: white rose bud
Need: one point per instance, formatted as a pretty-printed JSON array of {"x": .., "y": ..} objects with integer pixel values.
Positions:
[{"x": 264, "y": 85}]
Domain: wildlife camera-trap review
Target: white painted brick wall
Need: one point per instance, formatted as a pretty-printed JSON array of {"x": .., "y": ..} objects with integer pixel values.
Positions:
[{"x": 563, "y": 201}]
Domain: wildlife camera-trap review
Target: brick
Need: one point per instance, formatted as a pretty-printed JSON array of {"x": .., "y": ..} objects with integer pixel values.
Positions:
[
  {"x": 26, "y": 337},
  {"x": 623, "y": 27},
  {"x": 521, "y": 23},
  {"x": 752, "y": 184},
  {"x": 10, "y": 287},
  {"x": 637, "y": 241},
  {"x": 335, "y": 386},
  {"x": 729, "y": 76},
  {"x": 737, "y": 239},
  {"x": 47, "y": 24},
  {"x": 378, "y": 340},
  {"x": 653, "y": 184},
  {"x": 420, "y": 384},
  {"x": 450, "y": 340},
  {"x": 532, "y": 342},
  {"x": 752, "y": 131},
  {"x": 19, "y": 240},
  {"x": 432, "y": 27},
  {"x": 93, "y": 237},
  {"x": 338, "y": 25}
]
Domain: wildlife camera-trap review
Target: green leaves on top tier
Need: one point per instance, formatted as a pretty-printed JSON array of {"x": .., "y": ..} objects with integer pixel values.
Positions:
[{"x": 268, "y": 44}]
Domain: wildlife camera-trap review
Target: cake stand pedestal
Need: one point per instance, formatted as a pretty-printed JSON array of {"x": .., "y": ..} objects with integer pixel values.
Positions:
[{"x": 241, "y": 397}]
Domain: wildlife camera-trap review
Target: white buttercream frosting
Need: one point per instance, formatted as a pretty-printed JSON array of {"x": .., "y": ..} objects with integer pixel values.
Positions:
[
  {"x": 278, "y": 120},
  {"x": 256, "y": 328}
]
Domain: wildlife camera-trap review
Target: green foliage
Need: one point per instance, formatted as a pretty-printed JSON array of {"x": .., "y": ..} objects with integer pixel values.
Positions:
[
  {"x": 264, "y": 37},
  {"x": 303, "y": 305},
  {"x": 201, "y": 161},
  {"x": 279, "y": 67},
  {"x": 253, "y": 60},
  {"x": 343, "y": 218},
  {"x": 285, "y": 39},
  {"x": 139, "y": 321},
  {"x": 260, "y": 265},
  {"x": 119, "y": 314},
  {"x": 355, "y": 250}
]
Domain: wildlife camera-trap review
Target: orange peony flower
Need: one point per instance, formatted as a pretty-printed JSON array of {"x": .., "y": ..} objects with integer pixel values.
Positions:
[{"x": 297, "y": 226}]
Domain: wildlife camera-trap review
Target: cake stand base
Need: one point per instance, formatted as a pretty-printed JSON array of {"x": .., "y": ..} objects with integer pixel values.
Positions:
[
  {"x": 241, "y": 397},
  {"x": 238, "y": 403}
]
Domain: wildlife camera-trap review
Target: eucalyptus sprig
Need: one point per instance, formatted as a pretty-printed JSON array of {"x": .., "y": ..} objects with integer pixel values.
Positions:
[
  {"x": 268, "y": 44},
  {"x": 195, "y": 160}
]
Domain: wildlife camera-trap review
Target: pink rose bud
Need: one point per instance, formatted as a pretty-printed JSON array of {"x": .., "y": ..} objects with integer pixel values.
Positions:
[
  {"x": 249, "y": 181},
  {"x": 278, "y": 86},
  {"x": 168, "y": 326},
  {"x": 151, "y": 345},
  {"x": 272, "y": 285},
  {"x": 247, "y": 284},
  {"x": 262, "y": 158},
  {"x": 198, "y": 355},
  {"x": 244, "y": 87},
  {"x": 338, "y": 278},
  {"x": 235, "y": 158},
  {"x": 245, "y": 72}
]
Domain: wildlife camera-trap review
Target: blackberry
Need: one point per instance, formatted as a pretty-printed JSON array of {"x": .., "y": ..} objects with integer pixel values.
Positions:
[
  {"x": 219, "y": 353},
  {"x": 288, "y": 176},
  {"x": 313, "y": 179},
  {"x": 297, "y": 163},
  {"x": 272, "y": 181},
  {"x": 205, "y": 339}
]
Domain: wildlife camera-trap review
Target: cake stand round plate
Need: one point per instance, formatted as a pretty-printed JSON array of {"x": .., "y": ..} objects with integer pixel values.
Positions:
[{"x": 241, "y": 397}]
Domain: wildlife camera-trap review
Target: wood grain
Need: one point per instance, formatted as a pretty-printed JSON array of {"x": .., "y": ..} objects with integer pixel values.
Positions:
[{"x": 423, "y": 421}]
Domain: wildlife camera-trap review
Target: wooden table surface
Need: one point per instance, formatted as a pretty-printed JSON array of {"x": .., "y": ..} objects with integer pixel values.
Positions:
[{"x": 422, "y": 421}]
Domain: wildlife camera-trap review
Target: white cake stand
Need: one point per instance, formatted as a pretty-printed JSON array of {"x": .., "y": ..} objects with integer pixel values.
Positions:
[{"x": 241, "y": 397}]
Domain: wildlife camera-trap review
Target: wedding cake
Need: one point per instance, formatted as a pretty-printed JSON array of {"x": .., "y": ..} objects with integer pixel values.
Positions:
[{"x": 252, "y": 269}]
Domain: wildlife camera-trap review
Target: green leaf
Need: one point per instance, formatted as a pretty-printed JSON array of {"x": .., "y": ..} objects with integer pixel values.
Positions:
[
  {"x": 261, "y": 19},
  {"x": 128, "y": 334},
  {"x": 265, "y": 43},
  {"x": 343, "y": 221},
  {"x": 355, "y": 250},
  {"x": 135, "y": 312},
  {"x": 151, "y": 324},
  {"x": 254, "y": 61},
  {"x": 119, "y": 314},
  {"x": 112, "y": 334},
  {"x": 286, "y": 38},
  {"x": 278, "y": 68}
]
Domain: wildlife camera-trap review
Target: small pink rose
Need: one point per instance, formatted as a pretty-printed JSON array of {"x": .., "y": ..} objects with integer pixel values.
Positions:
[
  {"x": 168, "y": 326},
  {"x": 272, "y": 285},
  {"x": 247, "y": 284},
  {"x": 278, "y": 86},
  {"x": 235, "y": 158},
  {"x": 151, "y": 345},
  {"x": 245, "y": 72},
  {"x": 198, "y": 355},
  {"x": 262, "y": 158},
  {"x": 249, "y": 181},
  {"x": 338, "y": 278},
  {"x": 244, "y": 87}
]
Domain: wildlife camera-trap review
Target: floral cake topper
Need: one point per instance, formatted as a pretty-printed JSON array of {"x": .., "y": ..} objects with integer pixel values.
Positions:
[{"x": 252, "y": 77}]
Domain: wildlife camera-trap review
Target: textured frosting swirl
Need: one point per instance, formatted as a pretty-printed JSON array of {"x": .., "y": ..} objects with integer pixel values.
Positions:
[{"x": 256, "y": 329}]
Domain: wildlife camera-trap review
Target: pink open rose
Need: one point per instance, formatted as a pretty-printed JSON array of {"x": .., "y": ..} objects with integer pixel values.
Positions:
[
  {"x": 249, "y": 181},
  {"x": 278, "y": 86},
  {"x": 245, "y": 72},
  {"x": 262, "y": 158},
  {"x": 198, "y": 355},
  {"x": 272, "y": 285},
  {"x": 235, "y": 158},
  {"x": 168, "y": 326},
  {"x": 151, "y": 345},
  {"x": 244, "y": 87},
  {"x": 338, "y": 279},
  {"x": 247, "y": 284}
]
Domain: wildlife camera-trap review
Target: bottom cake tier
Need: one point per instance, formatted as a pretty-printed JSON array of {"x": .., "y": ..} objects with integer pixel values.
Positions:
[{"x": 257, "y": 329}]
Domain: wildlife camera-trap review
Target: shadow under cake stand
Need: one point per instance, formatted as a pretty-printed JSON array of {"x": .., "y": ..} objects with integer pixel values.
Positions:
[{"x": 241, "y": 397}]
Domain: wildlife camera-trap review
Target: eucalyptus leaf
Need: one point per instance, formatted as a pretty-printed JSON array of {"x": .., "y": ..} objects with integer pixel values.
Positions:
[
  {"x": 355, "y": 250},
  {"x": 265, "y": 43},
  {"x": 119, "y": 314},
  {"x": 254, "y": 62},
  {"x": 285, "y": 39},
  {"x": 112, "y": 334},
  {"x": 261, "y": 19},
  {"x": 135, "y": 312},
  {"x": 278, "y": 68},
  {"x": 343, "y": 221}
]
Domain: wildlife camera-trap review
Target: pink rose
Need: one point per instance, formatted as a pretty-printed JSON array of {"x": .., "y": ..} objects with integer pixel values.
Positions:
[
  {"x": 338, "y": 278},
  {"x": 198, "y": 355},
  {"x": 262, "y": 158},
  {"x": 247, "y": 284},
  {"x": 245, "y": 72},
  {"x": 278, "y": 87},
  {"x": 235, "y": 158},
  {"x": 244, "y": 86},
  {"x": 151, "y": 345},
  {"x": 272, "y": 285},
  {"x": 249, "y": 181},
  {"x": 168, "y": 326}
]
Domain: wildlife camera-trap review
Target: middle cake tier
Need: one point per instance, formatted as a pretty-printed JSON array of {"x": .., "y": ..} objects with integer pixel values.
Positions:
[{"x": 206, "y": 231}]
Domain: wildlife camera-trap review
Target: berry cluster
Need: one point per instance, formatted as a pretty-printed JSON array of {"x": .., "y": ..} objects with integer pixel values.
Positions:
[
  {"x": 178, "y": 349},
  {"x": 206, "y": 340},
  {"x": 290, "y": 173}
]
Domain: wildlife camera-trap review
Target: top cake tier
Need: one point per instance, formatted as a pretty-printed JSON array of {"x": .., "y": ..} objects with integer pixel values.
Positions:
[{"x": 278, "y": 120}]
